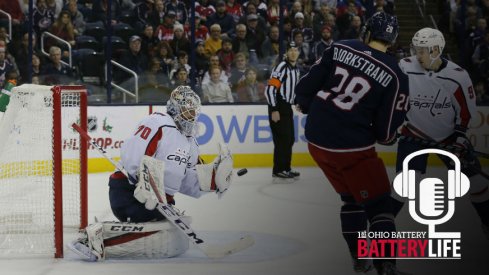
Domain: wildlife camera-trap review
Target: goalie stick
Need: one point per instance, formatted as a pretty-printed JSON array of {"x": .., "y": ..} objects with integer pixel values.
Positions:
[
  {"x": 448, "y": 147},
  {"x": 172, "y": 215}
]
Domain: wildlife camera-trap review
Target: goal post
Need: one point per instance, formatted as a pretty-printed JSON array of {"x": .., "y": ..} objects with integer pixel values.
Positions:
[{"x": 43, "y": 169}]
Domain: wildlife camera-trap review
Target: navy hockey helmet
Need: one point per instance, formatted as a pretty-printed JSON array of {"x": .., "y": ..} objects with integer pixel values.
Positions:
[{"x": 381, "y": 26}]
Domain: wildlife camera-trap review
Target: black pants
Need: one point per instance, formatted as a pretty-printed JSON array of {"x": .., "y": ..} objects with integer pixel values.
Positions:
[{"x": 283, "y": 136}]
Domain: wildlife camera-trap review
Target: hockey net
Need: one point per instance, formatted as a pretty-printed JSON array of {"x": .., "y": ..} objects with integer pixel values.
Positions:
[{"x": 43, "y": 173}]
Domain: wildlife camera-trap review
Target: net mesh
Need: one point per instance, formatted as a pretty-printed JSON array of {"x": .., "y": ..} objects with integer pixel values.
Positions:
[{"x": 26, "y": 170}]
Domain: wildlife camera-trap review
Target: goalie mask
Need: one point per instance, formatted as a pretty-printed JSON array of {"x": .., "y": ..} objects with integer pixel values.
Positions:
[{"x": 184, "y": 107}]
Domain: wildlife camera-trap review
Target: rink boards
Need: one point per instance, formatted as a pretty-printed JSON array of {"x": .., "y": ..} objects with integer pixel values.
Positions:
[{"x": 244, "y": 127}]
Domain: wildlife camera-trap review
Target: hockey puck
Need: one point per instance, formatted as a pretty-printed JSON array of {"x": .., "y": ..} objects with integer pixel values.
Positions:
[{"x": 242, "y": 172}]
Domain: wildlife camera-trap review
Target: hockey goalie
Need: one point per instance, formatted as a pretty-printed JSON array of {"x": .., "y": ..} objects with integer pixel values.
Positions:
[{"x": 163, "y": 150}]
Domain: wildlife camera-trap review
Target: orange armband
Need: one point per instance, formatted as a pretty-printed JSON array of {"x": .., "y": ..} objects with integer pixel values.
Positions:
[{"x": 274, "y": 82}]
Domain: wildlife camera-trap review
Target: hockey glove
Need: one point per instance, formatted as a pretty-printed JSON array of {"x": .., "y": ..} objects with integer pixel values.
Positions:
[
  {"x": 459, "y": 140},
  {"x": 218, "y": 175},
  {"x": 144, "y": 192},
  {"x": 224, "y": 169}
]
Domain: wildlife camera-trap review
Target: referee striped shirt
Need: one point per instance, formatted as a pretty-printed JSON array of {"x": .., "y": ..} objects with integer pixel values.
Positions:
[{"x": 282, "y": 83}]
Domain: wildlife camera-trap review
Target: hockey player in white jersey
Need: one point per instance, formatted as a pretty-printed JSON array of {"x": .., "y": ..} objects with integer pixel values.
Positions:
[
  {"x": 168, "y": 141},
  {"x": 442, "y": 103}
]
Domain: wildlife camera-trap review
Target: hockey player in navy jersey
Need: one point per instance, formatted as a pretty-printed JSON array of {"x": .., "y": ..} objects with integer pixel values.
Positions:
[
  {"x": 442, "y": 104},
  {"x": 168, "y": 139},
  {"x": 356, "y": 96}
]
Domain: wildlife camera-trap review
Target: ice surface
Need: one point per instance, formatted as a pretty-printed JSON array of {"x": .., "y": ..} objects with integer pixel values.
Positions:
[{"x": 295, "y": 225}]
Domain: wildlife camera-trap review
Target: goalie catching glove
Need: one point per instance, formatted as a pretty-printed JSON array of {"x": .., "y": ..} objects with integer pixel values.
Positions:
[{"x": 217, "y": 175}]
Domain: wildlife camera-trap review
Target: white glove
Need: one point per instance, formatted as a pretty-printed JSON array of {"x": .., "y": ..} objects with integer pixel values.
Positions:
[
  {"x": 224, "y": 169},
  {"x": 206, "y": 174},
  {"x": 218, "y": 175},
  {"x": 143, "y": 192}
]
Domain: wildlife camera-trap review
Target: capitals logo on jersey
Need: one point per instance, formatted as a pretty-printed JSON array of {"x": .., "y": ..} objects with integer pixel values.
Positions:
[
  {"x": 446, "y": 94},
  {"x": 434, "y": 103},
  {"x": 180, "y": 156}
]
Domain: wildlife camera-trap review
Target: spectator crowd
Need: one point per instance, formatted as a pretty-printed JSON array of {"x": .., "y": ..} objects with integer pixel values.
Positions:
[
  {"x": 466, "y": 21},
  {"x": 236, "y": 42}
]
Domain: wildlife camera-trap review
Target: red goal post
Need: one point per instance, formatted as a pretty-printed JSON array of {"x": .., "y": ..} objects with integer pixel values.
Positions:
[{"x": 43, "y": 169}]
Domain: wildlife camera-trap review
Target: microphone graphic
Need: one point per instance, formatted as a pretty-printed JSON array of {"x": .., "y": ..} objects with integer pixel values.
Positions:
[
  {"x": 432, "y": 198},
  {"x": 436, "y": 202}
]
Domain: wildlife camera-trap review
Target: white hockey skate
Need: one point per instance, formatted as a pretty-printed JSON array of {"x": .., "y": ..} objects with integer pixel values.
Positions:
[
  {"x": 80, "y": 247},
  {"x": 91, "y": 245}
]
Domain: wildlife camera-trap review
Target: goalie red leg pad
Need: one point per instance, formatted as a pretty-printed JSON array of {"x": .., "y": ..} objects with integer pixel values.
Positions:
[
  {"x": 361, "y": 174},
  {"x": 125, "y": 238}
]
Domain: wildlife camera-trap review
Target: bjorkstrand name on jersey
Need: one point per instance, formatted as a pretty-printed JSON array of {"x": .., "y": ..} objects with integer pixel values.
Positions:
[{"x": 367, "y": 67}]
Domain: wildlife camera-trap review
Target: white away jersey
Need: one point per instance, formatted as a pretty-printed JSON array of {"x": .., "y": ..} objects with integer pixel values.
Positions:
[
  {"x": 158, "y": 137},
  {"x": 439, "y": 101}
]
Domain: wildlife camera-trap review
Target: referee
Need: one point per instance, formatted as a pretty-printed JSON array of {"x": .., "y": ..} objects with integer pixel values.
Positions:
[{"x": 280, "y": 97}]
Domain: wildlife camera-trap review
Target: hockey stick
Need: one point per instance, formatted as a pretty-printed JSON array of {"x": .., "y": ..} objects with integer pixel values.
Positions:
[
  {"x": 448, "y": 147},
  {"x": 102, "y": 151},
  {"x": 211, "y": 251}
]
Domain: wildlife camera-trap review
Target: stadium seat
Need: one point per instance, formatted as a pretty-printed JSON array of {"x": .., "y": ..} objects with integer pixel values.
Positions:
[
  {"x": 88, "y": 42},
  {"x": 78, "y": 54},
  {"x": 123, "y": 31},
  {"x": 95, "y": 29},
  {"x": 127, "y": 17},
  {"x": 91, "y": 66},
  {"x": 97, "y": 94},
  {"x": 117, "y": 44}
]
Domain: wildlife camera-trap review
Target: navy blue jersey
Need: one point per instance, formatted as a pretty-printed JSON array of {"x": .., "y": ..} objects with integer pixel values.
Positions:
[{"x": 354, "y": 96}]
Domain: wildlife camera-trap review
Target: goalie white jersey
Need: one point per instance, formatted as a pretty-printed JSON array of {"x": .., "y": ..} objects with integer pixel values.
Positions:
[
  {"x": 439, "y": 101},
  {"x": 157, "y": 136}
]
